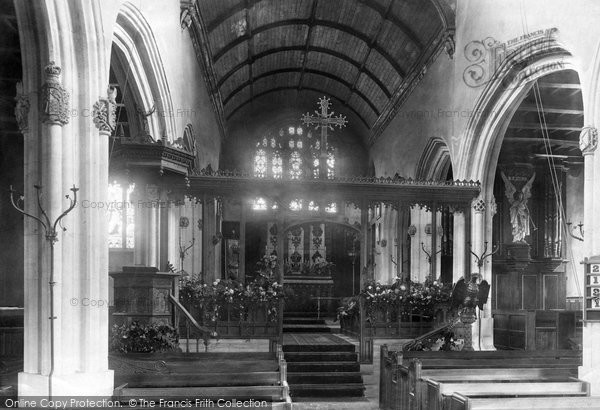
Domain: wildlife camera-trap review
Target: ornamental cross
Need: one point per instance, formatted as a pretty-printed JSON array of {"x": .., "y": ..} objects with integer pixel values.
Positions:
[{"x": 325, "y": 120}]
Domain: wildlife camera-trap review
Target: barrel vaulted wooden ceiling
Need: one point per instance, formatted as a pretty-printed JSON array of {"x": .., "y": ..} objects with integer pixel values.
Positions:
[{"x": 366, "y": 54}]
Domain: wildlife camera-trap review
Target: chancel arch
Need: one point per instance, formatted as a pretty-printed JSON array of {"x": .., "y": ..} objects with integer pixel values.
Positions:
[{"x": 138, "y": 64}]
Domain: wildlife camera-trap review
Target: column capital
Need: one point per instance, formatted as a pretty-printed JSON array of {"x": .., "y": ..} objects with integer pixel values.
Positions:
[
  {"x": 478, "y": 205},
  {"x": 54, "y": 97},
  {"x": 588, "y": 140},
  {"x": 104, "y": 112},
  {"x": 22, "y": 108}
]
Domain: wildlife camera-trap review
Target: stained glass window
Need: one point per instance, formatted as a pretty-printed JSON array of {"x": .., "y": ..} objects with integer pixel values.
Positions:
[
  {"x": 295, "y": 165},
  {"x": 291, "y": 152},
  {"x": 121, "y": 216},
  {"x": 260, "y": 164},
  {"x": 296, "y": 204},
  {"x": 260, "y": 204},
  {"x": 313, "y": 206},
  {"x": 331, "y": 208},
  {"x": 277, "y": 165},
  {"x": 330, "y": 165}
]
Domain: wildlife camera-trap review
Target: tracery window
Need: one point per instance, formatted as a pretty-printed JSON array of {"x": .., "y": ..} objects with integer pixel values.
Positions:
[
  {"x": 260, "y": 164},
  {"x": 121, "y": 216},
  {"x": 295, "y": 154},
  {"x": 292, "y": 153}
]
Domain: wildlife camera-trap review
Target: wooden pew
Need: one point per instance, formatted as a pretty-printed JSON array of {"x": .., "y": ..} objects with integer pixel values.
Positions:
[
  {"x": 211, "y": 376},
  {"x": 461, "y": 402},
  {"x": 402, "y": 375},
  {"x": 439, "y": 391}
]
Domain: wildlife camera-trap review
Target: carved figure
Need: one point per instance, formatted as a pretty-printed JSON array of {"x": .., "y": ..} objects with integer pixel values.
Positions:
[{"x": 519, "y": 212}]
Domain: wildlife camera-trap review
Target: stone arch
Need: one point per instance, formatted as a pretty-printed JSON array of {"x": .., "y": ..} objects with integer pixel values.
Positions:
[
  {"x": 482, "y": 140},
  {"x": 499, "y": 101},
  {"x": 138, "y": 54},
  {"x": 435, "y": 161}
]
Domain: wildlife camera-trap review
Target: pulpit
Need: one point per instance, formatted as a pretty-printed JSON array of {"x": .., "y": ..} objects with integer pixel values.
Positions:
[{"x": 142, "y": 294}]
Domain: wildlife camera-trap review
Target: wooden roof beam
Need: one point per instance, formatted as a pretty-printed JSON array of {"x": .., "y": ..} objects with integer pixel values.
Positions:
[
  {"x": 277, "y": 89},
  {"x": 371, "y": 45},
  {"x": 299, "y": 70},
  {"x": 311, "y": 25},
  {"x": 323, "y": 50},
  {"x": 550, "y": 110},
  {"x": 306, "y": 22},
  {"x": 562, "y": 143},
  {"x": 550, "y": 127},
  {"x": 410, "y": 34},
  {"x": 567, "y": 86}
]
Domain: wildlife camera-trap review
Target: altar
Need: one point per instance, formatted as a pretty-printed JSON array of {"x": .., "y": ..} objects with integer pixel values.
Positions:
[{"x": 310, "y": 294}]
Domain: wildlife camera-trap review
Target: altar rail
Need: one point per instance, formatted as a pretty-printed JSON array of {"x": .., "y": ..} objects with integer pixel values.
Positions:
[
  {"x": 392, "y": 323},
  {"x": 254, "y": 323},
  {"x": 537, "y": 329}
]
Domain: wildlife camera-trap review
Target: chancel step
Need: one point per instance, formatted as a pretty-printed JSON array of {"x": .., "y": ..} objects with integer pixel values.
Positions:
[{"x": 322, "y": 365}]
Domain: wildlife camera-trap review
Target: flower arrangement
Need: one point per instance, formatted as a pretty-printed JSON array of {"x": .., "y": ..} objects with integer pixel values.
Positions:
[
  {"x": 212, "y": 301},
  {"x": 402, "y": 297},
  {"x": 144, "y": 338}
]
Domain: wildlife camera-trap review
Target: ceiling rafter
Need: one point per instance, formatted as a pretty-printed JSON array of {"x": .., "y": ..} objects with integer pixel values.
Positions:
[
  {"x": 537, "y": 126},
  {"x": 250, "y": 46},
  {"x": 408, "y": 32},
  {"x": 550, "y": 110},
  {"x": 371, "y": 45},
  {"x": 310, "y": 49},
  {"x": 306, "y": 22},
  {"x": 311, "y": 25},
  {"x": 284, "y": 88},
  {"x": 300, "y": 70}
]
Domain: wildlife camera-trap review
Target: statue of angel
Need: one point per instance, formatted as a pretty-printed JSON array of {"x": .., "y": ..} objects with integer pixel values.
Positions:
[{"x": 519, "y": 212}]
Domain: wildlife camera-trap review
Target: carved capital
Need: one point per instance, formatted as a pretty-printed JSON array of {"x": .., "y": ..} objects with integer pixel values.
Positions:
[
  {"x": 54, "y": 98},
  {"x": 588, "y": 140},
  {"x": 104, "y": 113},
  {"x": 478, "y": 205},
  {"x": 22, "y": 108}
]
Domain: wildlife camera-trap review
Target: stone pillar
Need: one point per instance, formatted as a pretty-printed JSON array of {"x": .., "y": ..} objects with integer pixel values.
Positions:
[
  {"x": 458, "y": 247},
  {"x": 588, "y": 142},
  {"x": 210, "y": 240},
  {"x": 242, "y": 262},
  {"x": 364, "y": 243},
  {"x": 433, "y": 261},
  {"x": 400, "y": 239},
  {"x": 147, "y": 225},
  {"x": 66, "y": 354},
  {"x": 481, "y": 214}
]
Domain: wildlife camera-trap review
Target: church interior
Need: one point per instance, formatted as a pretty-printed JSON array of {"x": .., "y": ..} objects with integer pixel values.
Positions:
[{"x": 307, "y": 204}]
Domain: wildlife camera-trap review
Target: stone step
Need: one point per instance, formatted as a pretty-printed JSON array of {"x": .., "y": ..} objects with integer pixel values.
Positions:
[
  {"x": 292, "y": 357},
  {"x": 319, "y": 348},
  {"x": 319, "y": 367},
  {"x": 303, "y": 321},
  {"x": 327, "y": 390},
  {"x": 287, "y": 314},
  {"x": 324, "y": 378},
  {"x": 306, "y": 329}
]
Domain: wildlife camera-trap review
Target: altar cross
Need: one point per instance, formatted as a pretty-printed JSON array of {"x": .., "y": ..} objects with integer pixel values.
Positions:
[{"x": 324, "y": 120}]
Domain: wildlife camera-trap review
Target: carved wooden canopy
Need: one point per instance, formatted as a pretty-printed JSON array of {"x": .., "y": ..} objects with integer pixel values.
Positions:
[{"x": 358, "y": 190}]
